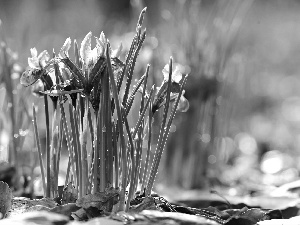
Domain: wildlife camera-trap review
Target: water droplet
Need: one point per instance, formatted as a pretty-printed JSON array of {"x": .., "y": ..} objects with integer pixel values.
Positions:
[
  {"x": 212, "y": 159},
  {"x": 23, "y": 132},
  {"x": 173, "y": 128},
  {"x": 205, "y": 138}
]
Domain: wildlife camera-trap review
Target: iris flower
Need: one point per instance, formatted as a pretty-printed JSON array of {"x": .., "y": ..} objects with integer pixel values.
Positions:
[
  {"x": 160, "y": 98},
  {"x": 176, "y": 73},
  {"x": 90, "y": 56},
  {"x": 38, "y": 65}
]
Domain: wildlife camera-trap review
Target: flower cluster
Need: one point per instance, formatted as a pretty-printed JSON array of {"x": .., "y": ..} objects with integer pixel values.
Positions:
[{"x": 84, "y": 74}]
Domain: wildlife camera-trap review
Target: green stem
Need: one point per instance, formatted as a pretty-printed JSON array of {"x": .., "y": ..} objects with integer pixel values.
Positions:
[
  {"x": 69, "y": 143},
  {"x": 38, "y": 144},
  {"x": 83, "y": 138},
  {"x": 75, "y": 145},
  {"x": 147, "y": 162},
  {"x": 120, "y": 127},
  {"x": 48, "y": 191},
  {"x": 80, "y": 159}
]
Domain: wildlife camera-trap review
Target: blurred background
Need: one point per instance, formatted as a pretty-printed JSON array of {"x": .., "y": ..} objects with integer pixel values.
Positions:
[{"x": 242, "y": 58}]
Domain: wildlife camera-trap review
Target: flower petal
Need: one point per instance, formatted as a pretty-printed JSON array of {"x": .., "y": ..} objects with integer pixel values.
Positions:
[
  {"x": 64, "y": 51},
  {"x": 103, "y": 39},
  {"x": 94, "y": 56},
  {"x": 165, "y": 72},
  {"x": 117, "y": 52},
  {"x": 85, "y": 48},
  {"x": 33, "y": 63},
  {"x": 176, "y": 75},
  {"x": 43, "y": 58},
  {"x": 99, "y": 46},
  {"x": 183, "y": 104},
  {"x": 33, "y": 52}
]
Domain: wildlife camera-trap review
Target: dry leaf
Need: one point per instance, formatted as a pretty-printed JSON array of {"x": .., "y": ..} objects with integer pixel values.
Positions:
[
  {"x": 5, "y": 199},
  {"x": 69, "y": 194},
  {"x": 103, "y": 201}
]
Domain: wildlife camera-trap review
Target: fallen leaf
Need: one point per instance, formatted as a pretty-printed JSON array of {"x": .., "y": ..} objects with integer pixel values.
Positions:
[
  {"x": 66, "y": 210},
  {"x": 47, "y": 202},
  {"x": 101, "y": 200},
  {"x": 5, "y": 199},
  {"x": 147, "y": 203},
  {"x": 69, "y": 194}
]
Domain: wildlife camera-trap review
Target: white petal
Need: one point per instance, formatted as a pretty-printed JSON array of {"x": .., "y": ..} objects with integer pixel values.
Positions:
[
  {"x": 85, "y": 48},
  {"x": 43, "y": 58},
  {"x": 117, "y": 52},
  {"x": 165, "y": 72},
  {"x": 33, "y": 63},
  {"x": 64, "y": 51},
  {"x": 183, "y": 104},
  {"x": 176, "y": 75},
  {"x": 94, "y": 55},
  {"x": 103, "y": 39},
  {"x": 33, "y": 52},
  {"x": 100, "y": 48}
]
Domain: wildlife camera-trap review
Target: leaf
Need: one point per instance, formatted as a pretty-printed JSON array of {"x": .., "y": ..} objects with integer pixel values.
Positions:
[
  {"x": 118, "y": 66},
  {"x": 66, "y": 209},
  {"x": 100, "y": 200},
  {"x": 79, "y": 215},
  {"x": 96, "y": 71},
  {"x": 148, "y": 203},
  {"x": 47, "y": 202},
  {"x": 69, "y": 194},
  {"x": 60, "y": 92},
  {"x": 37, "y": 208},
  {"x": 75, "y": 70},
  {"x": 5, "y": 199}
]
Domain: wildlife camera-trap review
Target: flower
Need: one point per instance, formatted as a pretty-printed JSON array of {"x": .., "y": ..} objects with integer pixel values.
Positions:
[
  {"x": 183, "y": 104},
  {"x": 38, "y": 61},
  {"x": 37, "y": 67},
  {"x": 90, "y": 56},
  {"x": 176, "y": 73}
]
